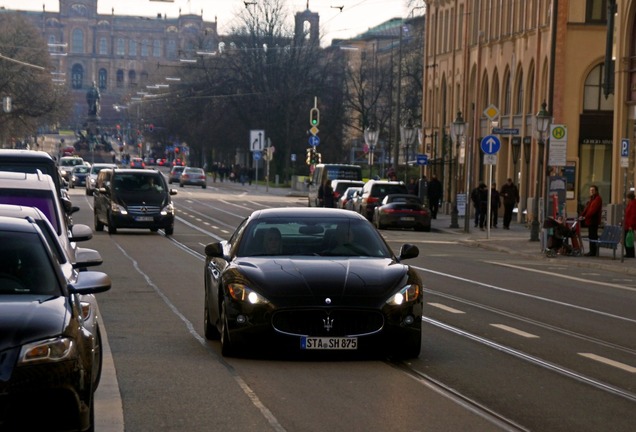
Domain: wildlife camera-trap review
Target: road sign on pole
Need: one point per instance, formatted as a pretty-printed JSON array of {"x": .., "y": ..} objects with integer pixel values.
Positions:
[
  {"x": 490, "y": 144},
  {"x": 314, "y": 140},
  {"x": 257, "y": 140}
]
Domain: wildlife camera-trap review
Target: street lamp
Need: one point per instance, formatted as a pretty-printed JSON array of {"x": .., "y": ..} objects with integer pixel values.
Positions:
[
  {"x": 371, "y": 135},
  {"x": 543, "y": 120},
  {"x": 407, "y": 135},
  {"x": 458, "y": 128}
]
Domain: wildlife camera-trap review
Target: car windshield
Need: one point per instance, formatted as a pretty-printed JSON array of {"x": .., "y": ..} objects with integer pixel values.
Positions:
[
  {"x": 312, "y": 237},
  {"x": 71, "y": 162},
  {"x": 41, "y": 199},
  {"x": 82, "y": 169},
  {"x": 95, "y": 169},
  {"x": 138, "y": 183},
  {"x": 24, "y": 265}
]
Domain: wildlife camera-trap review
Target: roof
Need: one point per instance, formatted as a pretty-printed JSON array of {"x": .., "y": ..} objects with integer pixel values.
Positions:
[
  {"x": 20, "y": 180},
  {"x": 298, "y": 212}
]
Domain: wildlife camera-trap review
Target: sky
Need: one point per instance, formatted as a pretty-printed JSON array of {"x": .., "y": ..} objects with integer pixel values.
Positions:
[{"x": 356, "y": 16}]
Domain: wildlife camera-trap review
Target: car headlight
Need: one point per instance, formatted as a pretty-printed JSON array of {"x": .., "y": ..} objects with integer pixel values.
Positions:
[
  {"x": 242, "y": 293},
  {"x": 409, "y": 293},
  {"x": 50, "y": 350},
  {"x": 167, "y": 210},
  {"x": 116, "y": 208}
]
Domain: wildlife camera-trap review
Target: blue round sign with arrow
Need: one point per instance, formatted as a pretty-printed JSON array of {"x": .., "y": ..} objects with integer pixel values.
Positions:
[
  {"x": 314, "y": 140},
  {"x": 490, "y": 144}
]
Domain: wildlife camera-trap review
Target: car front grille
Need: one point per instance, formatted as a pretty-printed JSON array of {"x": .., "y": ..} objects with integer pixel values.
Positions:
[
  {"x": 143, "y": 210},
  {"x": 328, "y": 322}
]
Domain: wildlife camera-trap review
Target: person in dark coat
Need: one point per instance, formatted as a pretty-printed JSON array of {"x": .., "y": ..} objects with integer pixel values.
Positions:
[
  {"x": 483, "y": 205},
  {"x": 327, "y": 194},
  {"x": 495, "y": 203},
  {"x": 434, "y": 195},
  {"x": 510, "y": 195},
  {"x": 592, "y": 215},
  {"x": 629, "y": 222}
]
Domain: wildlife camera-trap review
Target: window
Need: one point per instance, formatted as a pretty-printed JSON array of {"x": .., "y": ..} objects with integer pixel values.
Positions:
[
  {"x": 171, "y": 49},
  {"x": 144, "y": 48},
  {"x": 596, "y": 11},
  {"x": 77, "y": 41},
  {"x": 121, "y": 46},
  {"x": 103, "y": 46},
  {"x": 593, "y": 98},
  {"x": 120, "y": 78},
  {"x": 132, "y": 78},
  {"x": 132, "y": 48},
  {"x": 77, "y": 77},
  {"x": 102, "y": 79},
  {"x": 156, "y": 48},
  {"x": 519, "y": 95}
]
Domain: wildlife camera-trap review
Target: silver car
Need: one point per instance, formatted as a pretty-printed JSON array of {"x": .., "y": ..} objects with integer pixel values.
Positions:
[{"x": 91, "y": 180}]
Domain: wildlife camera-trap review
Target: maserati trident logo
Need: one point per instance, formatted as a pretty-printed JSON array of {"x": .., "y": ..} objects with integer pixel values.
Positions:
[{"x": 327, "y": 323}]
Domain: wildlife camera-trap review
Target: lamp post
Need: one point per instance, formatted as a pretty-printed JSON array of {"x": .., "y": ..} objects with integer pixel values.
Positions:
[
  {"x": 542, "y": 123},
  {"x": 371, "y": 135},
  {"x": 407, "y": 134},
  {"x": 458, "y": 127}
]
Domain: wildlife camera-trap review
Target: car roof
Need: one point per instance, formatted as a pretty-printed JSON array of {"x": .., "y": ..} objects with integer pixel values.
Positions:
[
  {"x": 296, "y": 212},
  {"x": 26, "y": 154},
  {"x": 8, "y": 223},
  {"x": 21, "y": 180}
]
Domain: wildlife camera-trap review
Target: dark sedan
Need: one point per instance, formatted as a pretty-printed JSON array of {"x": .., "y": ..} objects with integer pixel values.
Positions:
[
  {"x": 47, "y": 356},
  {"x": 312, "y": 279},
  {"x": 402, "y": 211}
]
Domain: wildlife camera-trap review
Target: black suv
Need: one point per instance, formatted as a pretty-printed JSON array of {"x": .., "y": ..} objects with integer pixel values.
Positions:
[
  {"x": 133, "y": 198},
  {"x": 374, "y": 191}
]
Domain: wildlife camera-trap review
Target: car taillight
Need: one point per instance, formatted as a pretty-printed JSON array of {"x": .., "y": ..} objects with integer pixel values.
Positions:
[
  {"x": 336, "y": 195},
  {"x": 372, "y": 200}
]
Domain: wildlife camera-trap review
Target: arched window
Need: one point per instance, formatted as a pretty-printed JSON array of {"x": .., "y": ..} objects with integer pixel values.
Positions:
[
  {"x": 102, "y": 79},
  {"x": 77, "y": 77},
  {"x": 121, "y": 46},
  {"x": 171, "y": 49},
  {"x": 103, "y": 46},
  {"x": 593, "y": 98},
  {"x": 77, "y": 41},
  {"x": 507, "y": 102},
  {"x": 120, "y": 78},
  {"x": 144, "y": 48},
  {"x": 519, "y": 95},
  {"x": 132, "y": 78},
  {"x": 156, "y": 48}
]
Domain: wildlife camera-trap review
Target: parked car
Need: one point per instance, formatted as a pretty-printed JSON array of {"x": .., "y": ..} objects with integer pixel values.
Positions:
[
  {"x": 194, "y": 177},
  {"x": 91, "y": 181},
  {"x": 402, "y": 211},
  {"x": 332, "y": 172},
  {"x": 133, "y": 198},
  {"x": 311, "y": 279},
  {"x": 374, "y": 191},
  {"x": 175, "y": 174},
  {"x": 78, "y": 177},
  {"x": 345, "y": 198},
  {"x": 340, "y": 186},
  {"x": 66, "y": 165},
  {"x": 53, "y": 357},
  {"x": 27, "y": 161},
  {"x": 137, "y": 162}
]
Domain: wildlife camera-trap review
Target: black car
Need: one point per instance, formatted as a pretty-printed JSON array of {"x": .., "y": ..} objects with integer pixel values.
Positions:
[
  {"x": 374, "y": 191},
  {"x": 311, "y": 279},
  {"x": 402, "y": 211},
  {"x": 133, "y": 198},
  {"x": 47, "y": 356}
]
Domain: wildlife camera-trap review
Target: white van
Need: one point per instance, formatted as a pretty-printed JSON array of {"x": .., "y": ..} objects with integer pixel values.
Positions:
[{"x": 323, "y": 172}]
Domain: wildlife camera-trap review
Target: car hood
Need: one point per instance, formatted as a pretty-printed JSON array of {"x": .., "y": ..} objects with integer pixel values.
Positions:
[
  {"x": 29, "y": 318},
  {"x": 142, "y": 198},
  {"x": 310, "y": 281}
]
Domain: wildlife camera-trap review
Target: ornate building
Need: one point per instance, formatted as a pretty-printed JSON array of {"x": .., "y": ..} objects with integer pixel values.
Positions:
[{"x": 121, "y": 54}]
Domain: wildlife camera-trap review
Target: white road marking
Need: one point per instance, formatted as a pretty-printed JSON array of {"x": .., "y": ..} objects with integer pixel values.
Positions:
[
  {"x": 514, "y": 330},
  {"x": 610, "y": 362},
  {"x": 446, "y": 308}
]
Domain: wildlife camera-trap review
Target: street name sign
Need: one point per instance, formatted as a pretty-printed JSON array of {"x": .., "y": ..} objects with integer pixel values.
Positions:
[{"x": 505, "y": 131}]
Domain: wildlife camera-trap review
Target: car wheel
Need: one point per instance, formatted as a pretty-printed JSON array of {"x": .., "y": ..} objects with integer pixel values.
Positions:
[
  {"x": 89, "y": 192},
  {"x": 98, "y": 359},
  {"x": 204, "y": 186},
  {"x": 112, "y": 229},
  {"x": 211, "y": 332},
  {"x": 169, "y": 230},
  {"x": 98, "y": 225},
  {"x": 227, "y": 347}
]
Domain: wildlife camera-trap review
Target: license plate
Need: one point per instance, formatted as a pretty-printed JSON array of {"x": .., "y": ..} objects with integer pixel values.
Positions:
[
  {"x": 407, "y": 218},
  {"x": 328, "y": 343},
  {"x": 144, "y": 219}
]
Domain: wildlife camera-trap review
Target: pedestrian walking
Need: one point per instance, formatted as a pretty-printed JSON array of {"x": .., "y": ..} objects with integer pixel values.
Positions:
[
  {"x": 591, "y": 216},
  {"x": 510, "y": 196},
  {"x": 327, "y": 194},
  {"x": 434, "y": 195},
  {"x": 483, "y": 205},
  {"x": 474, "y": 198},
  {"x": 495, "y": 203},
  {"x": 629, "y": 224}
]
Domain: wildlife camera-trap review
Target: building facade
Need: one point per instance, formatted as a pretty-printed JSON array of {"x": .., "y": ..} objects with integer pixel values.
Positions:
[
  {"x": 120, "y": 54},
  {"x": 497, "y": 63}
]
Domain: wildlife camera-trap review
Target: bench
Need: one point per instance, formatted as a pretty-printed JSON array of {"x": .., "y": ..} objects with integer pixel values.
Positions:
[{"x": 610, "y": 238}]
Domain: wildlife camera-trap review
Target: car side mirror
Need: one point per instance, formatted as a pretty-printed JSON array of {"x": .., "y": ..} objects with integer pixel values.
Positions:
[
  {"x": 214, "y": 250},
  {"x": 408, "y": 251}
]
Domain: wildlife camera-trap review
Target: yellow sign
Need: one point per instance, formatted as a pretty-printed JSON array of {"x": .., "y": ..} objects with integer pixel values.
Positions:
[
  {"x": 314, "y": 130},
  {"x": 492, "y": 112},
  {"x": 559, "y": 132}
]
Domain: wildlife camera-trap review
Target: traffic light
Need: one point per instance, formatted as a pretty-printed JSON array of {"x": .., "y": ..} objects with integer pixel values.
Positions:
[
  {"x": 314, "y": 117},
  {"x": 309, "y": 155}
]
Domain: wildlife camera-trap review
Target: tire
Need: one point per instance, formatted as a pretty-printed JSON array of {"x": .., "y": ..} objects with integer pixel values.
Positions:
[
  {"x": 98, "y": 360},
  {"x": 97, "y": 224},
  {"x": 228, "y": 349},
  {"x": 211, "y": 332},
  {"x": 169, "y": 230},
  {"x": 408, "y": 347},
  {"x": 112, "y": 229},
  {"x": 180, "y": 184}
]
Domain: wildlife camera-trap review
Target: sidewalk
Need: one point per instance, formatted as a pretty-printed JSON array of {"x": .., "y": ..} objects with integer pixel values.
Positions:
[{"x": 515, "y": 241}]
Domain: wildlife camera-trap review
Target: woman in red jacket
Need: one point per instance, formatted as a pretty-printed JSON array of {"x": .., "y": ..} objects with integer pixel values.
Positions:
[
  {"x": 592, "y": 215},
  {"x": 629, "y": 222}
]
